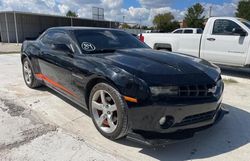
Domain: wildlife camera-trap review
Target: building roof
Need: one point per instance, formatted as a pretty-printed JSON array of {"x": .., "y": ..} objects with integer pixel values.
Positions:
[{"x": 50, "y": 15}]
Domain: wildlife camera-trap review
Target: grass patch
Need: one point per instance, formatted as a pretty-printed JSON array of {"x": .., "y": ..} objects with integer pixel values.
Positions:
[{"x": 229, "y": 81}]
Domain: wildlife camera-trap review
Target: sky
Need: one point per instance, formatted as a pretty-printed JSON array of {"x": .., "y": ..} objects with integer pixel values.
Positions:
[{"x": 135, "y": 11}]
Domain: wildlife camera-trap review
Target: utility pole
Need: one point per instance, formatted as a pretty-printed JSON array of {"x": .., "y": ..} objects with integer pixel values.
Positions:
[
  {"x": 123, "y": 19},
  {"x": 140, "y": 24},
  {"x": 210, "y": 11}
]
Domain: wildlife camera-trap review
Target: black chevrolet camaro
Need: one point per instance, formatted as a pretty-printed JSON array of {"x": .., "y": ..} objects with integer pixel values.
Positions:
[{"x": 125, "y": 85}]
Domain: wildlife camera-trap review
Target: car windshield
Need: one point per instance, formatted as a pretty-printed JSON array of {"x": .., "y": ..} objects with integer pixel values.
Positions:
[
  {"x": 245, "y": 22},
  {"x": 101, "y": 40}
]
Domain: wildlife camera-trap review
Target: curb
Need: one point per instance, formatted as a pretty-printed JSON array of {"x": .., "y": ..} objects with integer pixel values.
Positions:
[{"x": 10, "y": 52}]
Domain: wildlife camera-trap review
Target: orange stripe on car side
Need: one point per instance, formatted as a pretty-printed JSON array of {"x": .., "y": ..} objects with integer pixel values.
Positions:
[
  {"x": 43, "y": 77},
  {"x": 130, "y": 99}
]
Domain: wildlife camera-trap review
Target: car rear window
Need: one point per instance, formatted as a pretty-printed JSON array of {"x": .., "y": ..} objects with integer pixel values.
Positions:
[
  {"x": 199, "y": 31},
  {"x": 91, "y": 40}
]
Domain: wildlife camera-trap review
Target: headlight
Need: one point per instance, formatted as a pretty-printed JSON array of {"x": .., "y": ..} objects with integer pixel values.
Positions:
[
  {"x": 169, "y": 91},
  {"x": 219, "y": 83},
  {"x": 220, "y": 86},
  {"x": 217, "y": 89}
]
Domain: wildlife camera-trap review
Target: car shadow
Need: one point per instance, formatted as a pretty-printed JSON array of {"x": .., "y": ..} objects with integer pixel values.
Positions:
[
  {"x": 68, "y": 101},
  {"x": 231, "y": 133},
  {"x": 236, "y": 72}
]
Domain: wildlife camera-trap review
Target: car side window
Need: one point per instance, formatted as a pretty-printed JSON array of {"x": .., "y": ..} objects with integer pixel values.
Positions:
[
  {"x": 188, "y": 31},
  {"x": 224, "y": 27},
  {"x": 53, "y": 37},
  {"x": 47, "y": 39},
  {"x": 60, "y": 38},
  {"x": 178, "y": 32}
]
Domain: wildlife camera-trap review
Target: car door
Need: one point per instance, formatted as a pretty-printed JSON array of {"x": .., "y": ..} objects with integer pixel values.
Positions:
[
  {"x": 221, "y": 45},
  {"x": 57, "y": 64}
]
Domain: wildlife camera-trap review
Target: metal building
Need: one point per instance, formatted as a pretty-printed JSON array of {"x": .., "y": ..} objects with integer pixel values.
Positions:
[{"x": 15, "y": 27}]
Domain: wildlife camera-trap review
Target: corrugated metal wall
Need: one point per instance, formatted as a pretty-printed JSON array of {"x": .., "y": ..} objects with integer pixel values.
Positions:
[{"x": 30, "y": 26}]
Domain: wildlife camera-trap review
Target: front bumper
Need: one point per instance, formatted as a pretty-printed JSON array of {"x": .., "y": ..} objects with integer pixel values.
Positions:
[
  {"x": 158, "y": 139},
  {"x": 179, "y": 116}
]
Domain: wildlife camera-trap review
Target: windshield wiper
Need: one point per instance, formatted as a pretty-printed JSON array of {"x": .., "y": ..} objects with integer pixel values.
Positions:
[{"x": 102, "y": 51}]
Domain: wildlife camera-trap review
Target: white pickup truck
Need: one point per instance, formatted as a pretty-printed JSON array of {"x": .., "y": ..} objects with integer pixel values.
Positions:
[{"x": 225, "y": 40}]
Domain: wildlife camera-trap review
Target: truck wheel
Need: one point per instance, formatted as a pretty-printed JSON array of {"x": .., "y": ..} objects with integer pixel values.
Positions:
[
  {"x": 164, "y": 47},
  {"x": 108, "y": 111}
]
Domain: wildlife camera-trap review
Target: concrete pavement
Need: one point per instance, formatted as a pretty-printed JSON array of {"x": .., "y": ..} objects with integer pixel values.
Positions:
[{"x": 9, "y": 48}]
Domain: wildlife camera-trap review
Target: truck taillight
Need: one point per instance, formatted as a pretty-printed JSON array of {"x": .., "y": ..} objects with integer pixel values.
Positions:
[{"x": 141, "y": 37}]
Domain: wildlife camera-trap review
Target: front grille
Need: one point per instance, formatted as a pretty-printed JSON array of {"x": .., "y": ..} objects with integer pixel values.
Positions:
[
  {"x": 196, "y": 118},
  {"x": 193, "y": 92},
  {"x": 196, "y": 90}
]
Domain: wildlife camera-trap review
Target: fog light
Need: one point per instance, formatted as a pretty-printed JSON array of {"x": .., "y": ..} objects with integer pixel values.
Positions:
[
  {"x": 166, "y": 122},
  {"x": 162, "y": 121}
]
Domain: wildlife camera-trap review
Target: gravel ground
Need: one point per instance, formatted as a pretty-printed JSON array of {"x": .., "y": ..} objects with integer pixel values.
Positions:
[{"x": 42, "y": 125}]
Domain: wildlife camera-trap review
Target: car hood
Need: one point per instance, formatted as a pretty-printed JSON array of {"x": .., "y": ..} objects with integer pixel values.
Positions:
[{"x": 161, "y": 68}]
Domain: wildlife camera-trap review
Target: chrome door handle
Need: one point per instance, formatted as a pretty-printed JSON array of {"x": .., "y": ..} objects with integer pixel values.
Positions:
[{"x": 211, "y": 39}]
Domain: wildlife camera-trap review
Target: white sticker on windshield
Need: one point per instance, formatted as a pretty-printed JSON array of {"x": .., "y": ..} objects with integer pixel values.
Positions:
[{"x": 88, "y": 46}]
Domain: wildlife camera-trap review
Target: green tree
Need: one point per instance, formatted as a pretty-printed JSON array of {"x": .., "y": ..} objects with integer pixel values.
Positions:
[
  {"x": 135, "y": 27},
  {"x": 243, "y": 10},
  {"x": 165, "y": 22},
  {"x": 174, "y": 25},
  {"x": 144, "y": 27},
  {"x": 71, "y": 14},
  {"x": 151, "y": 28},
  {"x": 125, "y": 26},
  {"x": 195, "y": 17}
]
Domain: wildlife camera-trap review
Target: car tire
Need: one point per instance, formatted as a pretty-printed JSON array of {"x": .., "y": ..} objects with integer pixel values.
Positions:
[
  {"x": 28, "y": 75},
  {"x": 98, "y": 109}
]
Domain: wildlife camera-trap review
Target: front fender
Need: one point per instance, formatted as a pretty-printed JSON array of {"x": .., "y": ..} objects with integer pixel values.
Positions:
[
  {"x": 93, "y": 70},
  {"x": 127, "y": 84},
  {"x": 121, "y": 79}
]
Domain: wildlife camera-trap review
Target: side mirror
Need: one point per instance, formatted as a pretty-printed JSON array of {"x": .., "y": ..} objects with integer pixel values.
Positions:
[
  {"x": 63, "y": 48},
  {"x": 239, "y": 31}
]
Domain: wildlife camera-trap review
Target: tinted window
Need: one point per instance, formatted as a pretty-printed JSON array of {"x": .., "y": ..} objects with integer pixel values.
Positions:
[
  {"x": 52, "y": 37},
  {"x": 245, "y": 22},
  {"x": 47, "y": 38},
  {"x": 188, "y": 31},
  {"x": 178, "y": 32},
  {"x": 199, "y": 31},
  {"x": 60, "y": 38},
  {"x": 224, "y": 27},
  {"x": 90, "y": 40}
]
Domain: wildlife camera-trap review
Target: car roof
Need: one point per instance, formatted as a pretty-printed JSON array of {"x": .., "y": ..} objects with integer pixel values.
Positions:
[{"x": 229, "y": 18}]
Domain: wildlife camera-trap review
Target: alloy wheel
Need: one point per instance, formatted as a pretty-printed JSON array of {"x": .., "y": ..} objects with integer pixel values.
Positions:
[
  {"x": 104, "y": 111},
  {"x": 27, "y": 72}
]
